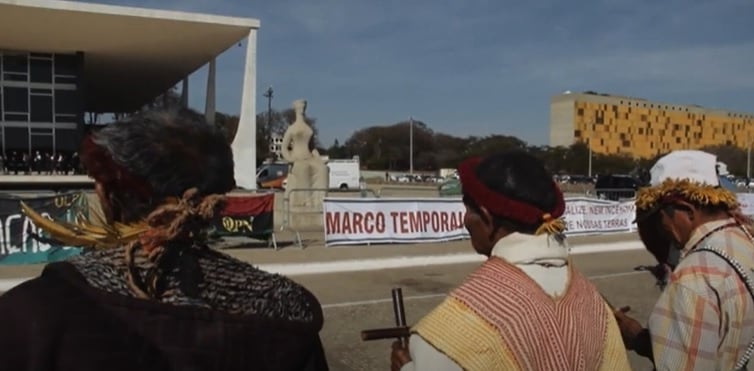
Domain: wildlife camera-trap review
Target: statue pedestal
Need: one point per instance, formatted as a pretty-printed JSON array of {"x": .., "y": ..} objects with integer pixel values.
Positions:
[
  {"x": 307, "y": 184},
  {"x": 305, "y": 219},
  {"x": 305, "y": 208}
]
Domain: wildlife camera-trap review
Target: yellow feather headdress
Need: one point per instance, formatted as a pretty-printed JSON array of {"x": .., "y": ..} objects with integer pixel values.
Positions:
[
  {"x": 82, "y": 233},
  {"x": 650, "y": 198}
]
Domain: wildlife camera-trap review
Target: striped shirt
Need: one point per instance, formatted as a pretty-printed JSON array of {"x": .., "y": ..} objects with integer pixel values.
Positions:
[
  {"x": 514, "y": 313},
  {"x": 704, "y": 319}
]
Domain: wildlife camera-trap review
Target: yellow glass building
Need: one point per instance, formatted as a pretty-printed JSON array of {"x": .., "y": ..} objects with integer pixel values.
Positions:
[{"x": 641, "y": 128}]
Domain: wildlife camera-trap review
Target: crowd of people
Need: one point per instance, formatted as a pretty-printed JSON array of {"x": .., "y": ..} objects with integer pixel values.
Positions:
[
  {"x": 40, "y": 162},
  {"x": 149, "y": 293}
]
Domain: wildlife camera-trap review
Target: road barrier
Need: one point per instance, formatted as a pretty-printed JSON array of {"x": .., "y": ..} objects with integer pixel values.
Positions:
[
  {"x": 422, "y": 220},
  {"x": 408, "y": 191},
  {"x": 55, "y": 183},
  {"x": 615, "y": 194},
  {"x": 393, "y": 220},
  {"x": 343, "y": 217},
  {"x": 308, "y": 217},
  {"x": 247, "y": 214}
]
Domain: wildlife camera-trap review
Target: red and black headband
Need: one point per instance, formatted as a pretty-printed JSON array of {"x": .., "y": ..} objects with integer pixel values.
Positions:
[{"x": 502, "y": 206}]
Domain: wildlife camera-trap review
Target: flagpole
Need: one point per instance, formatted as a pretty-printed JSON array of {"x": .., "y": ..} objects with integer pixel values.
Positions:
[{"x": 411, "y": 145}]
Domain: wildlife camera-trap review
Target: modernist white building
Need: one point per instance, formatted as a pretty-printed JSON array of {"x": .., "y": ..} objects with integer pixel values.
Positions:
[
  {"x": 61, "y": 59},
  {"x": 276, "y": 146}
]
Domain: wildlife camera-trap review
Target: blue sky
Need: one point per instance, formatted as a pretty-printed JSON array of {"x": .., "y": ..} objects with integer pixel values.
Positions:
[{"x": 480, "y": 67}]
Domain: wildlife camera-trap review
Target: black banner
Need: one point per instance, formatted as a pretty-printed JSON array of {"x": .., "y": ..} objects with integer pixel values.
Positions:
[
  {"x": 16, "y": 243},
  {"x": 249, "y": 216}
]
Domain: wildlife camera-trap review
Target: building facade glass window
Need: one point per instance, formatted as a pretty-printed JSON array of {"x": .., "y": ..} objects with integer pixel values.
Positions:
[{"x": 40, "y": 102}]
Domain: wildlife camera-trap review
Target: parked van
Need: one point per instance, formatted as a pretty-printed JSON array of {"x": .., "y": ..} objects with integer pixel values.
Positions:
[
  {"x": 616, "y": 187},
  {"x": 344, "y": 174},
  {"x": 272, "y": 175}
]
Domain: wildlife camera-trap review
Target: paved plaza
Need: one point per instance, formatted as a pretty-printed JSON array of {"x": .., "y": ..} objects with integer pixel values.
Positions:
[
  {"x": 356, "y": 298},
  {"x": 360, "y": 300},
  {"x": 353, "y": 283}
]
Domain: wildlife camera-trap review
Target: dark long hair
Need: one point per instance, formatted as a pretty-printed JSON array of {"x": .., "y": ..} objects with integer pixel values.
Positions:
[
  {"x": 164, "y": 152},
  {"x": 171, "y": 169},
  {"x": 520, "y": 176}
]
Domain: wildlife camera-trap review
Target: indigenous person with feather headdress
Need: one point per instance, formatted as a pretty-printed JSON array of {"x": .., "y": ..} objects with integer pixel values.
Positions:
[
  {"x": 526, "y": 307},
  {"x": 147, "y": 293},
  {"x": 704, "y": 318}
]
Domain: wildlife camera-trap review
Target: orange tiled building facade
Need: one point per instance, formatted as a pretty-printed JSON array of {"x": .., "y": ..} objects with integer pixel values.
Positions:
[{"x": 641, "y": 128}]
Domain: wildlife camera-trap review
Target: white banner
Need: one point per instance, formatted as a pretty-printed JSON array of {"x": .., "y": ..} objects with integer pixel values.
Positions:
[
  {"x": 588, "y": 216},
  {"x": 392, "y": 220},
  {"x": 401, "y": 220}
]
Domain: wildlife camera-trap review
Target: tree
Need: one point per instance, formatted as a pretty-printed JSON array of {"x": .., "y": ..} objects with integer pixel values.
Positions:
[
  {"x": 449, "y": 150},
  {"x": 168, "y": 99},
  {"x": 613, "y": 164},
  {"x": 554, "y": 158},
  {"x": 493, "y": 143},
  {"x": 732, "y": 156},
  {"x": 337, "y": 151},
  {"x": 368, "y": 144},
  {"x": 228, "y": 124},
  {"x": 389, "y": 147}
]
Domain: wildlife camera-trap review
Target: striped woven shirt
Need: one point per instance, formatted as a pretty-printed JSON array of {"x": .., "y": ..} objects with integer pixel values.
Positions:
[
  {"x": 500, "y": 319},
  {"x": 705, "y": 317}
]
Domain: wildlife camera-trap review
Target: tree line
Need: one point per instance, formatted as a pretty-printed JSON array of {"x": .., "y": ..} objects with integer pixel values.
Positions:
[{"x": 388, "y": 147}]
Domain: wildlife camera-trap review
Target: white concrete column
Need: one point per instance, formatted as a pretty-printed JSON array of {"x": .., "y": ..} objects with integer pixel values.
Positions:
[
  {"x": 245, "y": 142},
  {"x": 184, "y": 92},
  {"x": 209, "y": 102}
]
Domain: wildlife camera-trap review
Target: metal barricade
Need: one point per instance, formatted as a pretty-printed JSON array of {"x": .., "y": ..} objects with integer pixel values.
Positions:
[
  {"x": 617, "y": 194},
  {"x": 409, "y": 191},
  {"x": 272, "y": 241},
  {"x": 308, "y": 217},
  {"x": 577, "y": 188}
]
